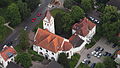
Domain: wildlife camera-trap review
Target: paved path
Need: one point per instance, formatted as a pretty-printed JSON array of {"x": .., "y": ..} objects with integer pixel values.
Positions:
[{"x": 101, "y": 43}]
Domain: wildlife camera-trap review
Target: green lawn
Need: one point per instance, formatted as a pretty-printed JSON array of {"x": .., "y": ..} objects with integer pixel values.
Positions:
[
  {"x": 55, "y": 11},
  {"x": 83, "y": 66}
]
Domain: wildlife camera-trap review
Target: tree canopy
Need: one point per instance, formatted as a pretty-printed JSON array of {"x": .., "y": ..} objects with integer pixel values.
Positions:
[
  {"x": 62, "y": 59},
  {"x": 86, "y": 5},
  {"x": 77, "y": 13},
  {"x": 24, "y": 11},
  {"x": 13, "y": 14},
  {"x": 24, "y": 41},
  {"x": 109, "y": 62},
  {"x": 24, "y": 59}
]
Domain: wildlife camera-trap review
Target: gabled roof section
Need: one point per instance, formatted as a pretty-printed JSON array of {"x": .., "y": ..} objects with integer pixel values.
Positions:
[
  {"x": 48, "y": 15},
  {"x": 49, "y": 41},
  {"x": 76, "y": 41},
  {"x": 7, "y": 52},
  {"x": 82, "y": 28}
]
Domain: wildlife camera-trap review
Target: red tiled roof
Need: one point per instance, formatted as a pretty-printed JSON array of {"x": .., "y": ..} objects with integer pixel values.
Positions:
[
  {"x": 5, "y": 53},
  {"x": 67, "y": 46},
  {"x": 118, "y": 52},
  {"x": 48, "y": 40},
  {"x": 83, "y": 27},
  {"x": 48, "y": 15}
]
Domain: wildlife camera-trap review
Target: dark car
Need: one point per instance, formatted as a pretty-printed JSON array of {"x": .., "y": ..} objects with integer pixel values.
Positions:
[
  {"x": 109, "y": 54},
  {"x": 93, "y": 65},
  {"x": 97, "y": 48},
  {"x": 105, "y": 53},
  {"x": 88, "y": 56},
  {"x": 114, "y": 45},
  {"x": 87, "y": 62}
]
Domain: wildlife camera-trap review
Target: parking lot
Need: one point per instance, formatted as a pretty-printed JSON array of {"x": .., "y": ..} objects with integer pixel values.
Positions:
[{"x": 101, "y": 43}]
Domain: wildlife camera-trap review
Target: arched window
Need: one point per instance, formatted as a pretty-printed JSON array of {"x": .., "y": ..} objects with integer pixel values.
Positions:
[
  {"x": 52, "y": 58},
  {"x": 67, "y": 54},
  {"x": 52, "y": 53},
  {"x": 41, "y": 53}
]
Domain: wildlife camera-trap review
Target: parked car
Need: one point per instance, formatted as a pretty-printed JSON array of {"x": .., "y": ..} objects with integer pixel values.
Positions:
[
  {"x": 105, "y": 53},
  {"x": 93, "y": 52},
  {"x": 86, "y": 61},
  {"x": 25, "y": 28},
  {"x": 114, "y": 45},
  {"x": 33, "y": 19},
  {"x": 99, "y": 55},
  {"x": 88, "y": 55},
  {"x": 101, "y": 49},
  {"x": 97, "y": 48},
  {"x": 93, "y": 65},
  {"x": 109, "y": 54},
  {"x": 92, "y": 18},
  {"x": 38, "y": 14}
]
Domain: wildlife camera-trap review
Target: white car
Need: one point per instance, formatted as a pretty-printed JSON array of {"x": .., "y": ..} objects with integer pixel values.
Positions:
[
  {"x": 92, "y": 18},
  {"x": 84, "y": 61},
  {"x": 25, "y": 28},
  {"x": 93, "y": 52},
  {"x": 99, "y": 55}
]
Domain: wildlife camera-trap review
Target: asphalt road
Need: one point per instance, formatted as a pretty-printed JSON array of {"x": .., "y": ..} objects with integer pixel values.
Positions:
[{"x": 15, "y": 34}]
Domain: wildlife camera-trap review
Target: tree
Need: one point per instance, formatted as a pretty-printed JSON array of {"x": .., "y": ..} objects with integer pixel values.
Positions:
[
  {"x": 58, "y": 23},
  {"x": 102, "y": 1},
  {"x": 86, "y": 5},
  {"x": 108, "y": 62},
  {"x": 24, "y": 11},
  {"x": 13, "y": 14},
  {"x": 62, "y": 59},
  {"x": 63, "y": 23},
  {"x": 2, "y": 21},
  {"x": 32, "y": 4},
  {"x": 109, "y": 15},
  {"x": 99, "y": 65},
  {"x": 24, "y": 59},
  {"x": 24, "y": 41},
  {"x": 68, "y": 3},
  {"x": 77, "y": 13}
]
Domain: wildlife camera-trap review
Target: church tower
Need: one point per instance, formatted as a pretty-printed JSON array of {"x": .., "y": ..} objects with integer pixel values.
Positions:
[{"x": 48, "y": 22}]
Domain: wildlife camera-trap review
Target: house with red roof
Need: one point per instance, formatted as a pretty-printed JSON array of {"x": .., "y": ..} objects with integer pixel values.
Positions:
[
  {"x": 7, "y": 55},
  {"x": 85, "y": 29},
  {"x": 48, "y": 22},
  {"x": 117, "y": 59},
  {"x": 50, "y": 45}
]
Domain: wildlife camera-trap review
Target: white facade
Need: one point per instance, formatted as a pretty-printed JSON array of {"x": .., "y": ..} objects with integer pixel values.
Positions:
[
  {"x": 49, "y": 24},
  {"x": 49, "y": 54},
  {"x": 89, "y": 36},
  {"x": 4, "y": 63}
]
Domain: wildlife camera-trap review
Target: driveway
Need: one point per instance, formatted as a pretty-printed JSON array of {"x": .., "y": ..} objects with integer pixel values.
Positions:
[{"x": 102, "y": 43}]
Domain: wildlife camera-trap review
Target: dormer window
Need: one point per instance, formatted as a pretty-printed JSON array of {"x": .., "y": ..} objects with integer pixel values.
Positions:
[{"x": 47, "y": 24}]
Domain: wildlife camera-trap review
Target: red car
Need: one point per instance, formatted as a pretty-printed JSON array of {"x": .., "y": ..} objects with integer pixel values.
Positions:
[
  {"x": 33, "y": 19},
  {"x": 39, "y": 14}
]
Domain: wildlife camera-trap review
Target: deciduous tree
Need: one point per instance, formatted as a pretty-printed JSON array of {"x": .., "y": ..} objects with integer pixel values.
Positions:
[{"x": 13, "y": 14}]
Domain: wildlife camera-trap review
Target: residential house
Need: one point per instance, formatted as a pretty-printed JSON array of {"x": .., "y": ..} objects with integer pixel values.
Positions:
[
  {"x": 85, "y": 29},
  {"x": 117, "y": 60},
  {"x": 7, "y": 55}
]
